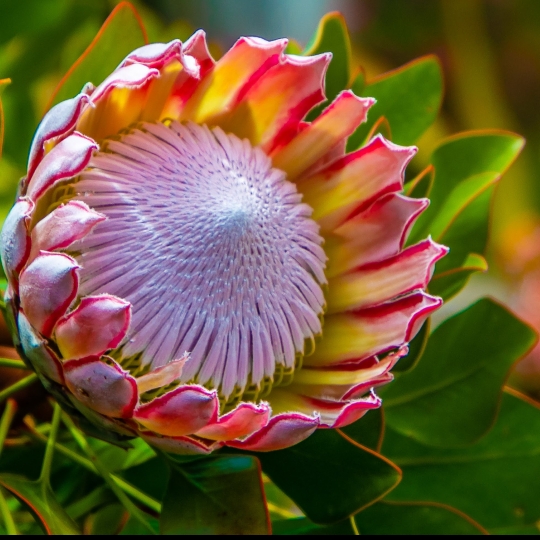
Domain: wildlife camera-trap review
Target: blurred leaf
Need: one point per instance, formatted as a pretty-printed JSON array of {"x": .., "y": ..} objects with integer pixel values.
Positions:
[
  {"x": 458, "y": 199},
  {"x": 468, "y": 234},
  {"x": 409, "y": 97},
  {"x": 466, "y": 167},
  {"x": 215, "y": 495},
  {"x": 280, "y": 506},
  {"x": 452, "y": 397},
  {"x": 417, "y": 348},
  {"x": 382, "y": 127},
  {"x": 151, "y": 477},
  {"x": 303, "y": 527},
  {"x": 359, "y": 81},
  {"x": 120, "y": 458},
  {"x": 120, "y": 34},
  {"x": 493, "y": 481},
  {"x": 293, "y": 47},
  {"x": 109, "y": 520},
  {"x": 97, "y": 497},
  {"x": 532, "y": 529},
  {"x": 3, "y": 84},
  {"x": 415, "y": 518},
  {"x": 332, "y": 36},
  {"x": 448, "y": 283},
  {"x": 329, "y": 477},
  {"x": 34, "y": 73},
  {"x": 368, "y": 431},
  {"x": 135, "y": 527},
  {"x": 420, "y": 186},
  {"x": 42, "y": 502},
  {"x": 22, "y": 460},
  {"x": 462, "y": 157},
  {"x": 36, "y": 14},
  {"x": 385, "y": 518}
]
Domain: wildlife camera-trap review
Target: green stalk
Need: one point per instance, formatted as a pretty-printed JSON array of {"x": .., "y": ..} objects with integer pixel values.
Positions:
[
  {"x": 122, "y": 484},
  {"x": 5, "y": 421},
  {"x": 9, "y": 523},
  {"x": 19, "y": 385},
  {"x": 51, "y": 442},
  {"x": 10, "y": 363},
  {"x": 122, "y": 497},
  {"x": 354, "y": 526}
]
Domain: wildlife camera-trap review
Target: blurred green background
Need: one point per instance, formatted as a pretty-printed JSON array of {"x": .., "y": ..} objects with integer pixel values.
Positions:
[{"x": 489, "y": 50}]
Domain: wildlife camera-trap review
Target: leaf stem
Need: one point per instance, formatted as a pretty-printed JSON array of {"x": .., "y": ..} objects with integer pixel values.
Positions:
[
  {"x": 122, "y": 484},
  {"x": 354, "y": 526},
  {"x": 5, "y": 421},
  {"x": 106, "y": 475},
  {"x": 83, "y": 506},
  {"x": 11, "y": 363},
  {"x": 9, "y": 523},
  {"x": 19, "y": 385},
  {"x": 51, "y": 443}
]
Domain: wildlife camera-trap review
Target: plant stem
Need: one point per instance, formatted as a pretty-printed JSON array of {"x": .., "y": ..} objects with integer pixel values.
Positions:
[
  {"x": 9, "y": 523},
  {"x": 11, "y": 363},
  {"x": 51, "y": 443},
  {"x": 5, "y": 421},
  {"x": 19, "y": 385},
  {"x": 122, "y": 484},
  {"x": 83, "y": 506},
  {"x": 126, "y": 501},
  {"x": 354, "y": 526},
  {"x": 136, "y": 494}
]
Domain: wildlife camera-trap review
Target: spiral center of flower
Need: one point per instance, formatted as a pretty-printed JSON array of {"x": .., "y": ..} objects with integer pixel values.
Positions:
[{"x": 213, "y": 248}]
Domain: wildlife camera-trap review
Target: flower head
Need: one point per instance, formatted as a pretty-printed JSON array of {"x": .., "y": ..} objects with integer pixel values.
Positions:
[{"x": 192, "y": 262}]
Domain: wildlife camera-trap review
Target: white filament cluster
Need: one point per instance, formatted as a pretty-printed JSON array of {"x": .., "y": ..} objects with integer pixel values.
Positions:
[{"x": 211, "y": 245}]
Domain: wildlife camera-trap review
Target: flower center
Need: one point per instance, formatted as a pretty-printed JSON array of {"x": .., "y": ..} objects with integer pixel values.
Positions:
[{"x": 213, "y": 248}]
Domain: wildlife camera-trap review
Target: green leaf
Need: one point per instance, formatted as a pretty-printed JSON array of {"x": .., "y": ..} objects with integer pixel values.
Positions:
[
  {"x": 369, "y": 431},
  {"x": 118, "y": 458},
  {"x": 293, "y": 47},
  {"x": 37, "y": 16},
  {"x": 466, "y": 167},
  {"x": 359, "y": 82},
  {"x": 332, "y": 36},
  {"x": 329, "y": 477},
  {"x": 468, "y": 234},
  {"x": 39, "y": 497},
  {"x": 304, "y": 527},
  {"x": 108, "y": 520},
  {"x": 3, "y": 84},
  {"x": 415, "y": 518},
  {"x": 495, "y": 481},
  {"x": 389, "y": 518},
  {"x": 280, "y": 506},
  {"x": 462, "y": 157},
  {"x": 96, "y": 498},
  {"x": 453, "y": 395},
  {"x": 135, "y": 527},
  {"x": 417, "y": 348},
  {"x": 532, "y": 529},
  {"x": 409, "y": 97},
  {"x": 215, "y": 495},
  {"x": 121, "y": 33},
  {"x": 420, "y": 186},
  {"x": 458, "y": 199},
  {"x": 448, "y": 283}
]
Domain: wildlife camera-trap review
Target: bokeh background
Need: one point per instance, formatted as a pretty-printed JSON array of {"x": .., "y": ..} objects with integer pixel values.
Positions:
[{"x": 489, "y": 50}]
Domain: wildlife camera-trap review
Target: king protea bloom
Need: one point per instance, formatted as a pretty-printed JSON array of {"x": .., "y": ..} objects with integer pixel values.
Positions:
[{"x": 191, "y": 262}]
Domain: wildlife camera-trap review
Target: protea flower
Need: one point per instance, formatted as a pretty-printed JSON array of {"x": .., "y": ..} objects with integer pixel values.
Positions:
[{"x": 181, "y": 234}]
